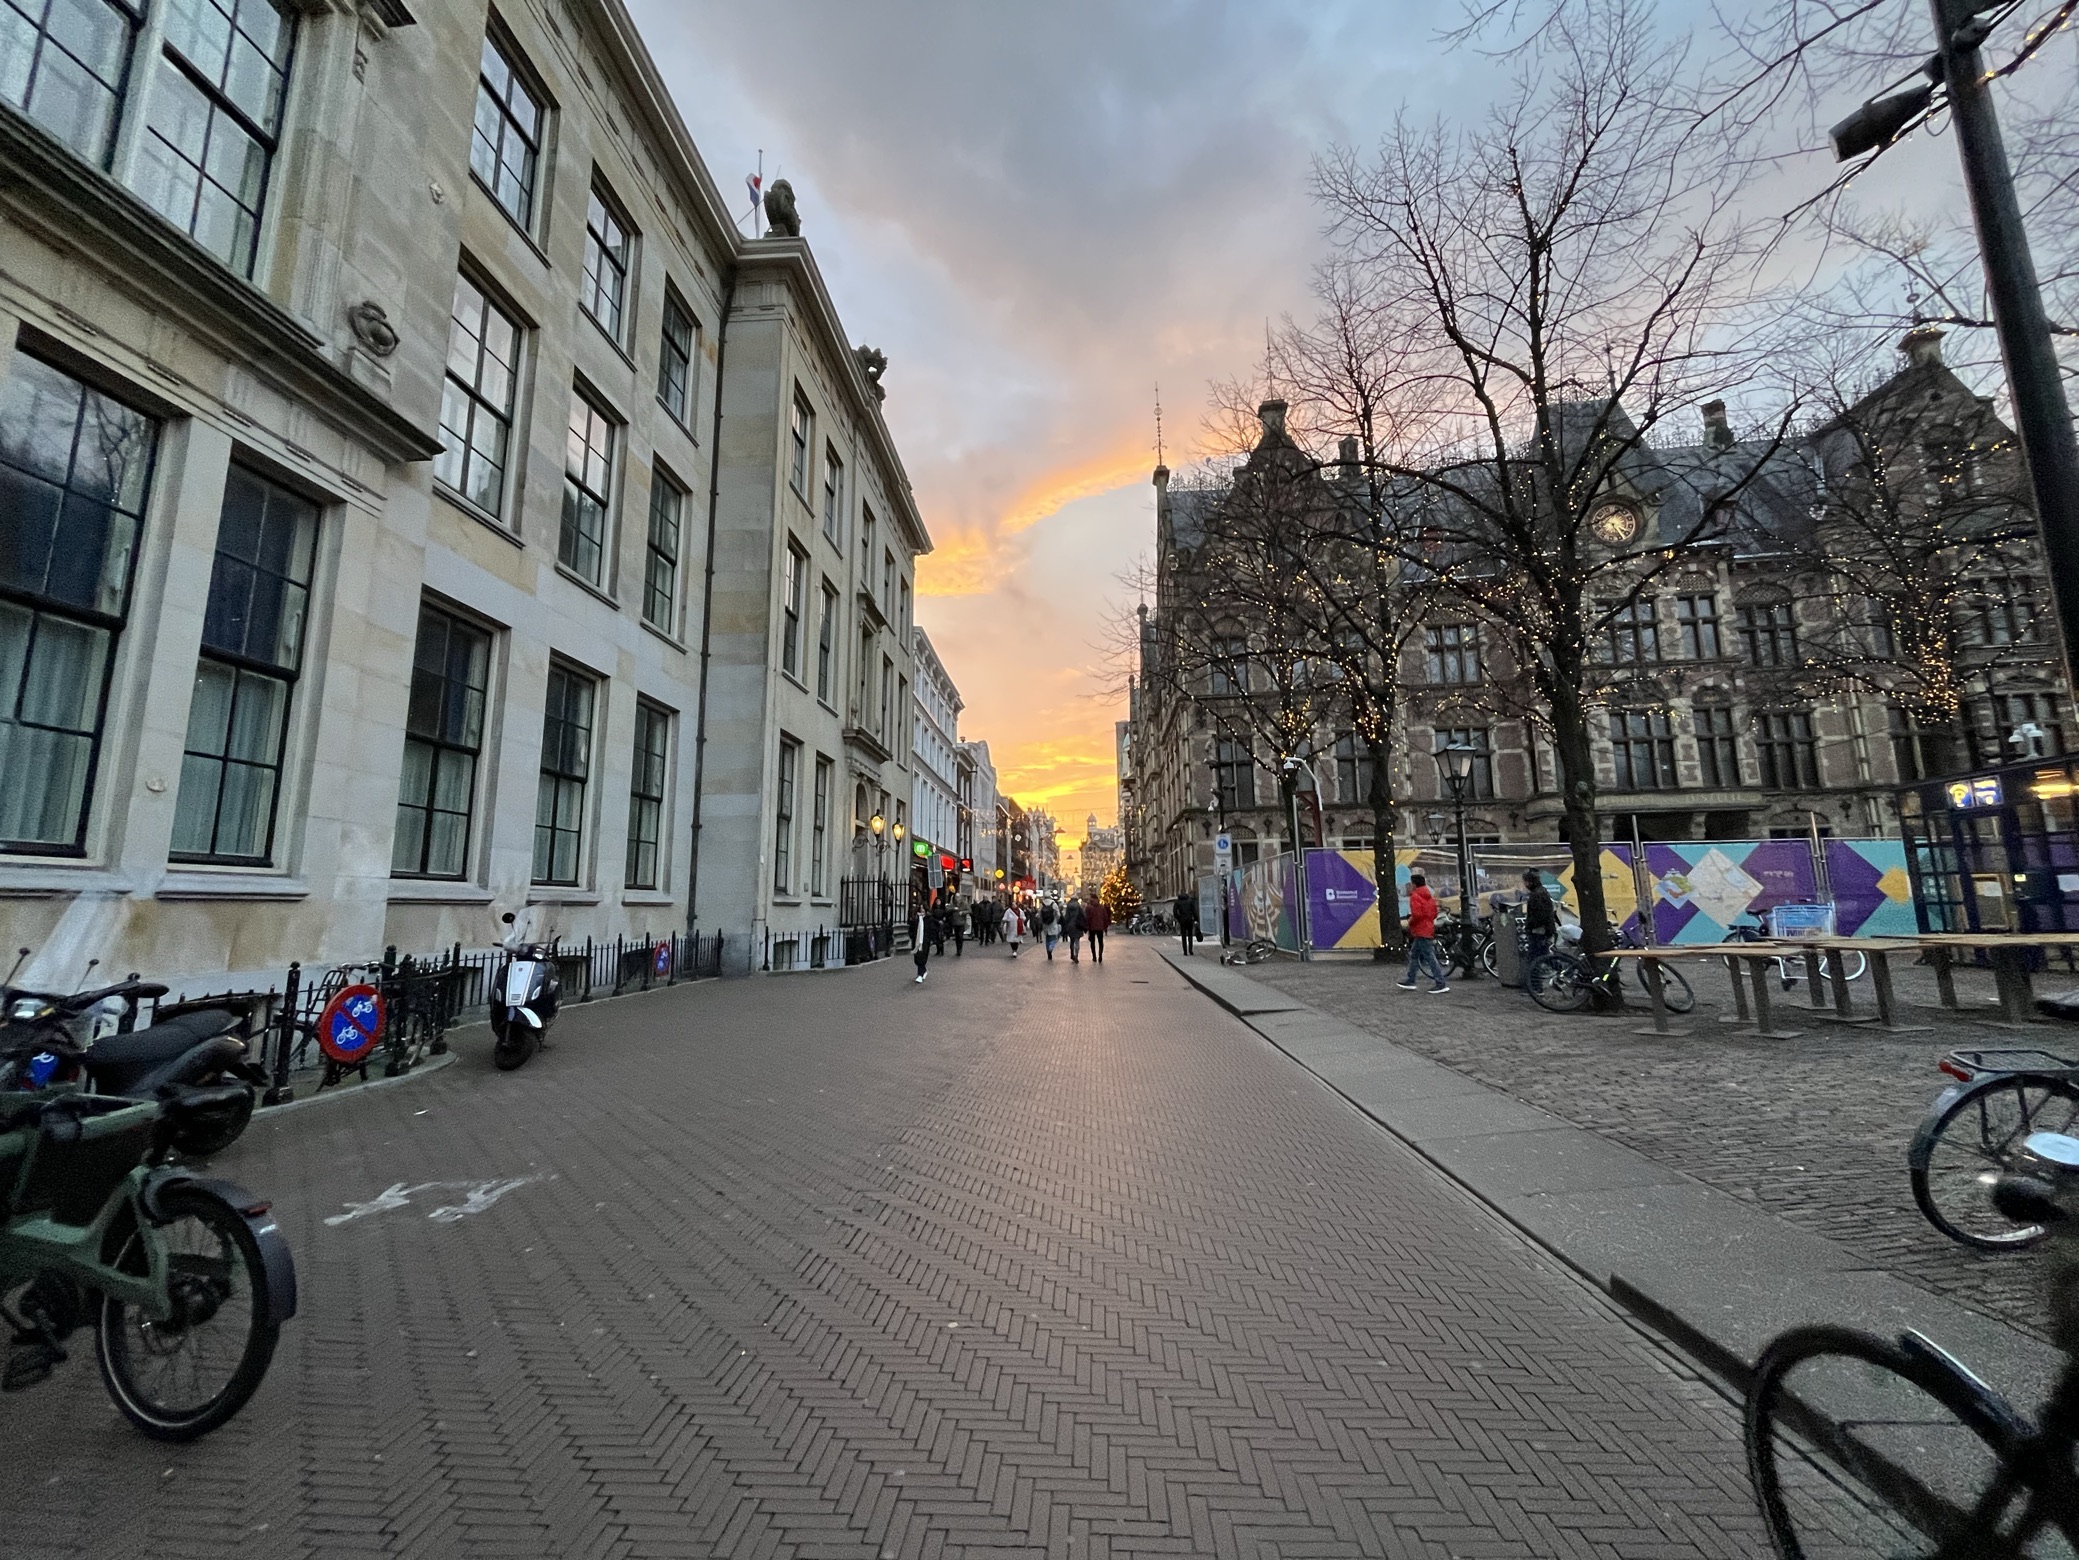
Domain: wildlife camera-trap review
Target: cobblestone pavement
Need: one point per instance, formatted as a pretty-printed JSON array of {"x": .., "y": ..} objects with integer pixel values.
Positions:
[
  {"x": 1036, "y": 1259},
  {"x": 1815, "y": 1128}
]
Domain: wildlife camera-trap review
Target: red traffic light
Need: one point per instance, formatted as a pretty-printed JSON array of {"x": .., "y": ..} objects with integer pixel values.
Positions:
[{"x": 967, "y": 864}]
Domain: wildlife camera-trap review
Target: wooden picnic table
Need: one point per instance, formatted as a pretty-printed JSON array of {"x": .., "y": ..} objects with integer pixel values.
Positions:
[
  {"x": 2007, "y": 952},
  {"x": 1757, "y": 956}
]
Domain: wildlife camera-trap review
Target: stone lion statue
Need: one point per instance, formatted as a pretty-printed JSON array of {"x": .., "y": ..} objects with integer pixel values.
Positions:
[
  {"x": 780, "y": 216},
  {"x": 873, "y": 363}
]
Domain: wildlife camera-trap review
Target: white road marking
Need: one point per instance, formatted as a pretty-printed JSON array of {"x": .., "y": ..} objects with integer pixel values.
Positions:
[{"x": 476, "y": 1197}]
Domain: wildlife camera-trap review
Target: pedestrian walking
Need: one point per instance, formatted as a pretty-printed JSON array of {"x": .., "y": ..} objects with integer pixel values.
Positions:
[
  {"x": 1540, "y": 919},
  {"x": 1050, "y": 928},
  {"x": 1073, "y": 925},
  {"x": 1097, "y": 920},
  {"x": 959, "y": 930},
  {"x": 937, "y": 922},
  {"x": 1422, "y": 937},
  {"x": 1186, "y": 913},
  {"x": 1013, "y": 927},
  {"x": 920, "y": 943}
]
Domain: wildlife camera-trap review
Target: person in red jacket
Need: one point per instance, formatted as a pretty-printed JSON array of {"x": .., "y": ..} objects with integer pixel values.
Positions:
[
  {"x": 1422, "y": 937},
  {"x": 1097, "y": 920}
]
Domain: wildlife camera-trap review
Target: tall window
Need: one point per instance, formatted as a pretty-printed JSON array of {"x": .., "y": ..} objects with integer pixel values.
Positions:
[
  {"x": 902, "y": 610},
  {"x": 905, "y": 717},
  {"x": 1631, "y": 635},
  {"x": 1920, "y": 752},
  {"x": 1770, "y": 629},
  {"x": 1480, "y": 780},
  {"x": 1697, "y": 617},
  {"x": 793, "y": 607},
  {"x": 888, "y": 581},
  {"x": 444, "y": 733},
  {"x": 833, "y": 497},
  {"x": 1453, "y": 652},
  {"x": 675, "y": 360},
  {"x": 826, "y": 644},
  {"x": 887, "y": 732},
  {"x": 660, "y": 580},
  {"x": 867, "y": 546},
  {"x": 2023, "y": 726},
  {"x": 2007, "y": 611},
  {"x": 1234, "y": 773},
  {"x": 252, "y": 649},
  {"x": 215, "y": 112},
  {"x": 801, "y": 432},
  {"x": 75, "y": 471},
  {"x": 604, "y": 289},
  {"x": 783, "y": 815},
  {"x": 646, "y": 793},
  {"x": 1353, "y": 769},
  {"x": 819, "y": 829},
  {"x": 505, "y": 146},
  {"x": 476, "y": 398},
  {"x": 1789, "y": 756},
  {"x": 1643, "y": 745},
  {"x": 63, "y": 63},
  {"x": 566, "y": 766},
  {"x": 587, "y": 486},
  {"x": 1230, "y": 668},
  {"x": 1717, "y": 751}
]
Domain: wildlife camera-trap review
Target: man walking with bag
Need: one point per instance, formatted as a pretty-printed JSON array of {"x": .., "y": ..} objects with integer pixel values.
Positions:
[
  {"x": 1186, "y": 911},
  {"x": 1097, "y": 920}
]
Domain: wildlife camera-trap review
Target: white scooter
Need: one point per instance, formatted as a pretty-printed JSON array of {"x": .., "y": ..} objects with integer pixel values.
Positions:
[{"x": 524, "y": 997}]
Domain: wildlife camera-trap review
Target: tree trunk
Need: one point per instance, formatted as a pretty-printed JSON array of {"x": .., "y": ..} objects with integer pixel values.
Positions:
[
  {"x": 1570, "y": 743},
  {"x": 1385, "y": 868}
]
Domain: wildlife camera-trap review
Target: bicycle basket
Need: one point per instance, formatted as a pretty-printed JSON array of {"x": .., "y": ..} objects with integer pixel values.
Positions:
[{"x": 78, "y": 1149}]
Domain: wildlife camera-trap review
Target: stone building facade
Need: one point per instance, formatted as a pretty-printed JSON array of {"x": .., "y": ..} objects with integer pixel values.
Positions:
[
  {"x": 1725, "y": 711},
  {"x": 935, "y": 750},
  {"x": 368, "y": 567},
  {"x": 982, "y": 834}
]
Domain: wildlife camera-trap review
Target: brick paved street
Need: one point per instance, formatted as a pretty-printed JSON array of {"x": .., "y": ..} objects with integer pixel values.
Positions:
[
  {"x": 1815, "y": 1129},
  {"x": 1034, "y": 1260}
]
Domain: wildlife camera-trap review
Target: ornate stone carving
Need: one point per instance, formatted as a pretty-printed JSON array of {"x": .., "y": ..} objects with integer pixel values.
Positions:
[
  {"x": 780, "y": 215},
  {"x": 873, "y": 363},
  {"x": 372, "y": 328}
]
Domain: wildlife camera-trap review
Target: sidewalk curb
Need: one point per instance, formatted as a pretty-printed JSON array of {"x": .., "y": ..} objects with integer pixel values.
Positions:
[
  {"x": 1714, "y": 1275},
  {"x": 432, "y": 1064}
]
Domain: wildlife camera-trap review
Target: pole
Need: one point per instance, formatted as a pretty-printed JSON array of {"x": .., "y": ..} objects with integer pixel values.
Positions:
[
  {"x": 2042, "y": 417},
  {"x": 1466, "y": 963}
]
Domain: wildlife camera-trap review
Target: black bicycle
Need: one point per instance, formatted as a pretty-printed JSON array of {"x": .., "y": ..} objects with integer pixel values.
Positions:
[
  {"x": 1871, "y": 1447},
  {"x": 1564, "y": 981},
  {"x": 1974, "y": 1133}
]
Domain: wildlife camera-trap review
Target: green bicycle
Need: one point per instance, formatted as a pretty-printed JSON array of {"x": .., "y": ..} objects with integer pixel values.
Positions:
[{"x": 185, "y": 1281}]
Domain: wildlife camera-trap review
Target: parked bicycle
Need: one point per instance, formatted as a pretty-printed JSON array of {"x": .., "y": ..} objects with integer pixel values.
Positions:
[
  {"x": 1256, "y": 950},
  {"x": 1790, "y": 968},
  {"x": 1869, "y": 1447},
  {"x": 1974, "y": 1133},
  {"x": 184, "y": 1281},
  {"x": 1564, "y": 981}
]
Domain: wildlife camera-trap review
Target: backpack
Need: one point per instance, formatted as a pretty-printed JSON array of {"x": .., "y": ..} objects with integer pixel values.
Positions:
[{"x": 1047, "y": 916}]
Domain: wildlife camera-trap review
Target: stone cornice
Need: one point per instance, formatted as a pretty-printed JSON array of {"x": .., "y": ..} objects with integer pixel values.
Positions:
[{"x": 89, "y": 216}]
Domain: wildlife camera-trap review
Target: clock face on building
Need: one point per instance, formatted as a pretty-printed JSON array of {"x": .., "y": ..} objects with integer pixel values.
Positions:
[{"x": 1614, "y": 523}]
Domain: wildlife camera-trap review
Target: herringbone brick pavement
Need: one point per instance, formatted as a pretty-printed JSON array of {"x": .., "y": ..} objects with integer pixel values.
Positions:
[{"x": 1034, "y": 1260}]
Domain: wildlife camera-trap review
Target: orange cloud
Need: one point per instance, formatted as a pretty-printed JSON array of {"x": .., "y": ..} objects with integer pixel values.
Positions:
[{"x": 972, "y": 560}]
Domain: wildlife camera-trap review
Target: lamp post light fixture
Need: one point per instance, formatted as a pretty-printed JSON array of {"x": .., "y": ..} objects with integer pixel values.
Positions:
[
  {"x": 1455, "y": 769},
  {"x": 1289, "y": 772}
]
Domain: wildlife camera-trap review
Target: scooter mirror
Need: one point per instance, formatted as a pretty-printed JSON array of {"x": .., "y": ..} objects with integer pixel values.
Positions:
[{"x": 508, "y": 918}]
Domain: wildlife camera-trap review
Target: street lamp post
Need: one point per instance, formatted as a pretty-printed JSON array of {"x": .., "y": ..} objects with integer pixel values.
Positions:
[
  {"x": 2042, "y": 417},
  {"x": 1455, "y": 767},
  {"x": 1220, "y": 807},
  {"x": 1301, "y": 921},
  {"x": 879, "y": 826}
]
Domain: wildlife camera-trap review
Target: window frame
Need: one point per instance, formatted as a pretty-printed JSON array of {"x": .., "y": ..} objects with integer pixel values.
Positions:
[
  {"x": 1480, "y": 778},
  {"x": 581, "y": 397},
  {"x": 1771, "y": 621},
  {"x": 1795, "y": 741},
  {"x": 670, "y": 353},
  {"x": 119, "y": 95},
  {"x": 1451, "y": 655},
  {"x": 793, "y": 608},
  {"x": 1693, "y": 626},
  {"x": 1631, "y": 633},
  {"x": 657, "y": 557},
  {"x": 42, "y": 604},
  {"x": 521, "y": 74},
  {"x": 1717, "y": 746},
  {"x": 786, "y": 779},
  {"x": 1647, "y": 731},
  {"x": 492, "y": 304},
  {"x": 441, "y": 745},
  {"x": 601, "y": 202},
  {"x": 648, "y": 766},
  {"x": 1234, "y": 772},
  {"x": 801, "y": 444},
  {"x": 833, "y": 497},
  {"x": 244, "y": 665},
  {"x": 826, "y": 644},
  {"x": 819, "y": 827},
  {"x": 556, "y": 780}
]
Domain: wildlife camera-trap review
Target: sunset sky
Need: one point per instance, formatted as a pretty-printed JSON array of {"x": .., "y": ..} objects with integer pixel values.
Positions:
[{"x": 1040, "y": 212}]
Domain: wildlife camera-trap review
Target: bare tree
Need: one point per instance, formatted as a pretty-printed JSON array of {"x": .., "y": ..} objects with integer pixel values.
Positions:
[{"x": 1551, "y": 286}]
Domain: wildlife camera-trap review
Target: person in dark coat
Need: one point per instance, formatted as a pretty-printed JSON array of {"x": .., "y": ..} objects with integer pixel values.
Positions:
[
  {"x": 1097, "y": 920},
  {"x": 1073, "y": 924},
  {"x": 1186, "y": 910},
  {"x": 1540, "y": 919}
]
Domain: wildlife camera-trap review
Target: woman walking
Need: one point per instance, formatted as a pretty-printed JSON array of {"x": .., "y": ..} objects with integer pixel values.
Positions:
[
  {"x": 1013, "y": 927},
  {"x": 1097, "y": 920},
  {"x": 1050, "y": 929},
  {"x": 920, "y": 940},
  {"x": 1073, "y": 924}
]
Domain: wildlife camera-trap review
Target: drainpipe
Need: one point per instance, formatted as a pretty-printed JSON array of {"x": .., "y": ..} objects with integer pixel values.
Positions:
[{"x": 707, "y": 603}]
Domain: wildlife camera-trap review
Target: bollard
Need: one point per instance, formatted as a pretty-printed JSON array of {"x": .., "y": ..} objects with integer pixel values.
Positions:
[{"x": 280, "y": 1093}]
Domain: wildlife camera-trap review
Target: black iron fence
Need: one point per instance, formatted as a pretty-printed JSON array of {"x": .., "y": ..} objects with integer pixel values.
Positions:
[
  {"x": 871, "y": 914},
  {"x": 422, "y": 997}
]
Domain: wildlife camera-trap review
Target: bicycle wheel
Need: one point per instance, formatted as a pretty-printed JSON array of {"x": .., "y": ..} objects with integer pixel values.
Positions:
[
  {"x": 1558, "y": 983},
  {"x": 1962, "y": 1149},
  {"x": 181, "y": 1377},
  {"x": 1862, "y": 1449},
  {"x": 1676, "y": 994},
  {"x": 1487, "y": 957}
]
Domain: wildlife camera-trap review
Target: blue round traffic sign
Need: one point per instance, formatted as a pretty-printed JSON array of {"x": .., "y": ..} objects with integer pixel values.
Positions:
[{"x": 351, "y": 1024}]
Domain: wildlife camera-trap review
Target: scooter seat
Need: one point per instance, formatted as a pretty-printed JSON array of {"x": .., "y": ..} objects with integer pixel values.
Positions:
[{"x": 162, "y": 1042}]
